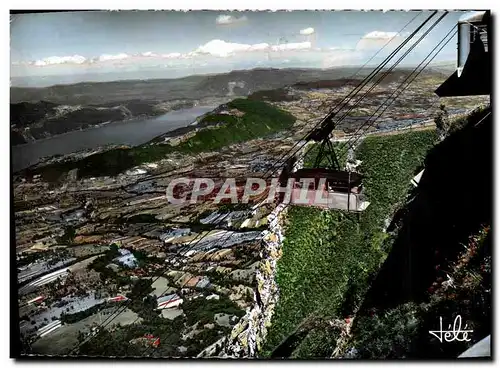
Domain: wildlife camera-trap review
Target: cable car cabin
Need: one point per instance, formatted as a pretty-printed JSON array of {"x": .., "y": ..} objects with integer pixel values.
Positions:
[
  {"x": 473, "y": 71},
  {"x": 328, "y": 188}
]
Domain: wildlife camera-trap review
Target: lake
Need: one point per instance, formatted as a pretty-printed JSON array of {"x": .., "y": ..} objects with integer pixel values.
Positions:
[{"x": 131, "y": 132}]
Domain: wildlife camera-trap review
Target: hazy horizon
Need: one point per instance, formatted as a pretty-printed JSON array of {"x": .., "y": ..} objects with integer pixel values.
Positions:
[
  {"x": 44, "y": 82},
  {"x": 73, "y": 47}
]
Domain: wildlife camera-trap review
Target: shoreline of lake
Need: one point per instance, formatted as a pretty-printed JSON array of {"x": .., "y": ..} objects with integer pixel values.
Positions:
[{"x": 123, "y": 132}]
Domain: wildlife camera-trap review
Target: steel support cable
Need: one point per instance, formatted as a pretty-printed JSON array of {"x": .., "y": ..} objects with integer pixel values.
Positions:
[
  {"x": 400, "y": 90},
  {"x": 355, "y": 91},
  {"x": 227, "y": 238},
  {"x": 369, "y": 60},
  {"x": 416, "y": 75},
  {"x": 376, "y": 118},
  {"x": 431, "y": 106},
  {"x": 373, "y": 56},
  {"x": 289, "y": 203},
  {"x": 361, "y": 85},
  {"x": 122, "y": 308},
  {"x": 423, "y": 36},
  {"x": 329, "y": 118},
  {"x": 117, "y": 312},
  {"x": 163, "y": 293},
  {"x": 230, "y": 233},
  {"x": 383, "y": 76},
  {"x": 400, "y": 59},
  {"x": 387, "y": 72}
]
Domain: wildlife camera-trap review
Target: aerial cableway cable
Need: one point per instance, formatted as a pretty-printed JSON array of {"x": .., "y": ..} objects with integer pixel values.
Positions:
[
  {"x": 330, "y": 126},
  {"x": 352, "y": 94},
  {"x": 398, "y": 91},
  {"x": 111, "y": 317},
  {"x": 354, "y": 91},
  {"x": 329, "y": 117},
  {"x": 416, "y": 75},
  {"x": 411, "y": 74},
  {"x": 402, "y": 57},
  {"x": 123, "y": 307},
  {"x": 326, "y": 130}
]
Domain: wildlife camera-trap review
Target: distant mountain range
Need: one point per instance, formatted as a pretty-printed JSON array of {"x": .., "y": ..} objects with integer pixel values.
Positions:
[{"x": 239, "y": 82}]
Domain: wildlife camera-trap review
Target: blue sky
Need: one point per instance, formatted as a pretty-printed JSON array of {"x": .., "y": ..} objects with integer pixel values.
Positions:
[{"x": 53, "y": 48}]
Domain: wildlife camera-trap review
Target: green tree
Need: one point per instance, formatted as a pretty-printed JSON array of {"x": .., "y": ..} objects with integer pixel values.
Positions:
[
  {"x": 441, "y": 121},
  {"x": 68, "y": 236}
]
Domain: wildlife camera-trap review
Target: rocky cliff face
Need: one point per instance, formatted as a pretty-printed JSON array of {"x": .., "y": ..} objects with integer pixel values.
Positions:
[{"x": 248, "y": 335}]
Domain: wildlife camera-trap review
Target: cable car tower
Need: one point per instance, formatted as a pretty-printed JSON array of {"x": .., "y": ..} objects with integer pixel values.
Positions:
[{"x": 341, "y": 187}]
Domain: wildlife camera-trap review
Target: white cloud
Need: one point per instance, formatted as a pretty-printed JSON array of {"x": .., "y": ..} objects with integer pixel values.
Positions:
[
  {"x": 377, "y": 39},
  {"x": 225, "y": 19},
  {"x": 220, "y": 48},
  {"x": 307, "y": 31},
  {"x": 214, "y": 48},
  {"x": 106, "y": 57},
  {"x": 259, "y": 47},
  {"x": 52, "y": 60}
]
